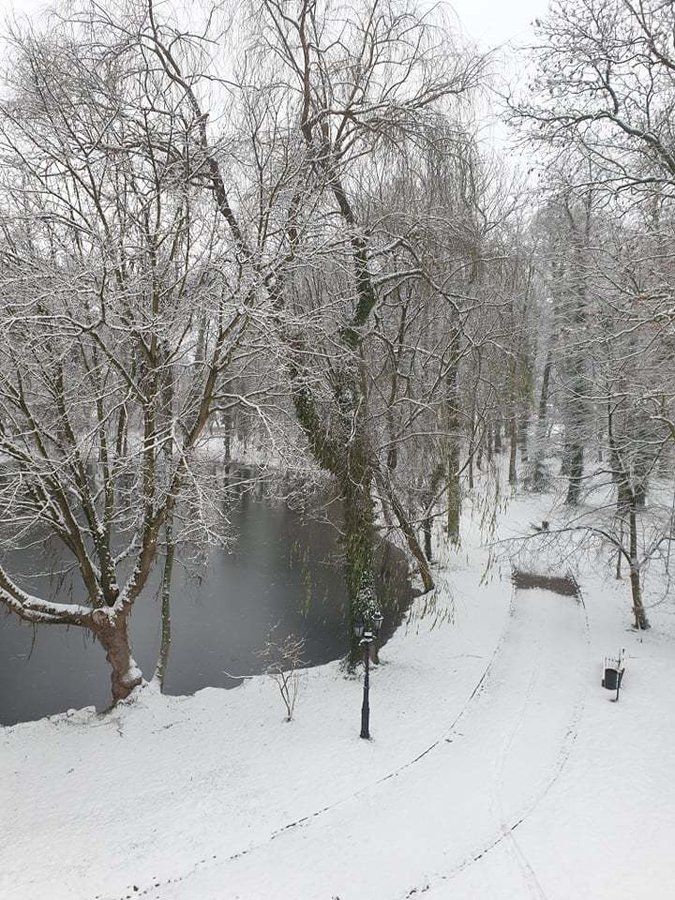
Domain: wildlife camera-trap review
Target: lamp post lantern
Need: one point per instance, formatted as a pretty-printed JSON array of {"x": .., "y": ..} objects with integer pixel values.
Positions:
[{"x": 366, "y": 637}]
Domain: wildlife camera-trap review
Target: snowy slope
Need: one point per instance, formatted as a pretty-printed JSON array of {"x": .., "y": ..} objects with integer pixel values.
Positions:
[
  {"x": 498, "y": 768},
  {"x": 440, "y": 812}
]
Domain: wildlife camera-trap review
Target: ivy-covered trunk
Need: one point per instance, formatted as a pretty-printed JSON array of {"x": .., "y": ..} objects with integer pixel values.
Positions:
[
  {"x": 358, "y": 541},
  {"x": 339, "y": 444}
]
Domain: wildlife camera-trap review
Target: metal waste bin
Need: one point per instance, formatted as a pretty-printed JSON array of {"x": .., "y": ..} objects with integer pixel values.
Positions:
[
  {"x": 613, "y": 668},
  {"x": 611, "y": 679}
]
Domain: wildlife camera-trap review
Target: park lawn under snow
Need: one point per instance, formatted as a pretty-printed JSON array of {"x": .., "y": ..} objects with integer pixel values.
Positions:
[{"x": 498, "y": 768}]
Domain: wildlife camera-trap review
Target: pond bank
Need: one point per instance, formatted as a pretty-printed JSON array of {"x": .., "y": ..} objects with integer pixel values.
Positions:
[{"x": 283, "y": 569}]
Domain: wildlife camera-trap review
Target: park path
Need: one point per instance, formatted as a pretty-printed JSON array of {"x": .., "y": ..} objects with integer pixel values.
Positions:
[{"x": 418, "y": 830}]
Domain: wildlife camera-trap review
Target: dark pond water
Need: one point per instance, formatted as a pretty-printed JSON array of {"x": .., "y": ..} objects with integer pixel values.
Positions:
[{"x": 282, "y": 568}]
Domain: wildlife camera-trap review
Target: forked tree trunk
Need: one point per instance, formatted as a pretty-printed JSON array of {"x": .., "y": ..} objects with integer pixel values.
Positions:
[{"x": 113, "y": 634}]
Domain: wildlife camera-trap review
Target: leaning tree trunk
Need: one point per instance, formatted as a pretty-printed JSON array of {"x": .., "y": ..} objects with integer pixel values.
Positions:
[
  {"x": 407, "y": 529},
  {"x": 112, "y": 632}
]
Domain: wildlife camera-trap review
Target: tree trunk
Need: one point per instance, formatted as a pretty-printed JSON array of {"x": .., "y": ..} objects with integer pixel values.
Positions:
[
  {"x": 165, "y": 644},
  {"x": 543, "y": 397},
  {"x": 619, "y": 555},
  {"x": 357, "y": 542},
  {"x": 454, "y": 498},
  {"x": 453, "y": 440},
  {"x": 513, "y": 449},
  {"x": 523, "y": 433},
  {"x": 359, "y": 529},
  {"x": 575, "y": 472},
  {"x": 641, "y": 620},
  {"x": 498, "y": 433},
  {"x": 408, "y": 531},
  {"x": 472, "y": 451},
  {"x": 344, "y": 452},
  {"x": 426, "y": 529},
  {"x": 113, "y": 635}
]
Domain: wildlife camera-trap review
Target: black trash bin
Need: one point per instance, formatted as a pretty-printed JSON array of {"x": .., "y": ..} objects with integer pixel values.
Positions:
[{"x": 611, "y": 679}]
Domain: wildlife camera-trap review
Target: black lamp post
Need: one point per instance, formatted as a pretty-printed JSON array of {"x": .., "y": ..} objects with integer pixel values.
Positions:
[{"x": 366, "y": 637}]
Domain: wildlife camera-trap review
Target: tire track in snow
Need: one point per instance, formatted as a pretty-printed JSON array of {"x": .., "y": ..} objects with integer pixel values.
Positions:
[
  {"x": 515, "y": 661},
  {"x": 135, "y": 891},
  {"x": 506, "y": 832},
  {"x": 514, "y": 845},
  {"x": 534, "y": 888}
]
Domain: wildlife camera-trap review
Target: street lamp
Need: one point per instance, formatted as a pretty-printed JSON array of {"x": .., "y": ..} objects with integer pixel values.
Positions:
[{"x": 366, "y": 637}]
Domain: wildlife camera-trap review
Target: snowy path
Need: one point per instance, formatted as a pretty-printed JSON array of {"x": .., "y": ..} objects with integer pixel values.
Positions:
[
  {"x": 499, "y": 770},
  {"x": 455, "y": 804}
]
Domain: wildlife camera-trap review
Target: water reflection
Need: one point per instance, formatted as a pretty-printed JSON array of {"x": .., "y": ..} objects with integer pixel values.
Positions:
[{"x": 284, "y": 568}]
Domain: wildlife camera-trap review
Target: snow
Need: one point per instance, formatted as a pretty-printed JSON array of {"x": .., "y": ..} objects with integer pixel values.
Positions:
[{"x": 499, "y": 768}]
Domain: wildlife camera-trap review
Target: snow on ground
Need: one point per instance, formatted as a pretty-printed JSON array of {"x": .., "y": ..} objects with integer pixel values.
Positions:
[{"x": 498, "y": 769}]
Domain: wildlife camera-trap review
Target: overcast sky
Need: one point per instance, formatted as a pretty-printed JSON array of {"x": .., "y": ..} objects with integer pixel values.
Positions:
[
  {"x": 490, "y": 22},
  {"x": 495, "y": 22}
]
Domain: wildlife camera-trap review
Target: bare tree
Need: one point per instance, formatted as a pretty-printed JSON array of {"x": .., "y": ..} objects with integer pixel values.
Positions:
[
  {"x": 282, "y": 658},
  {"x": 120, "y": 313},
  {"x": 368, "y": 80}
]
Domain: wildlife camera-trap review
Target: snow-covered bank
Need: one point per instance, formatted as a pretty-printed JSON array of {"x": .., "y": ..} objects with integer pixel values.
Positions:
[
  {"x": 170, "y": 781},
  {"x": 498, "y": 769}
]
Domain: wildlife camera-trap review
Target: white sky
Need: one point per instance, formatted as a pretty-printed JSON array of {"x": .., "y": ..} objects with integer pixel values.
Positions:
[
  {"x": 489, "y": 22},
  {"x": 20, "y": 6},
  {"x": 494, "y": 22}
]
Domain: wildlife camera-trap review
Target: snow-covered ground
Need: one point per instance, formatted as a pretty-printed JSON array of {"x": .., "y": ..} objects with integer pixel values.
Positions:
[{"x": 498, "y": 769}]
